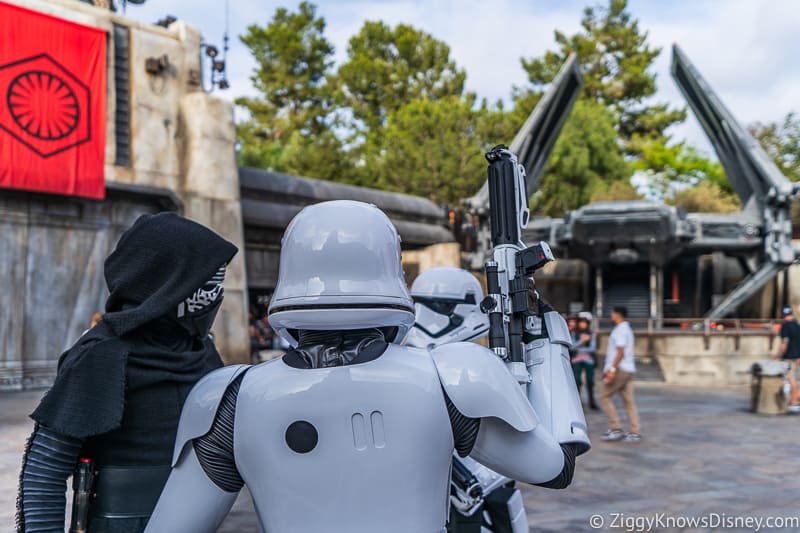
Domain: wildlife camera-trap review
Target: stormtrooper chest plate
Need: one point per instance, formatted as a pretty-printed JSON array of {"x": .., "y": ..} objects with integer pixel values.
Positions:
[{"x": 357, "y": 448}]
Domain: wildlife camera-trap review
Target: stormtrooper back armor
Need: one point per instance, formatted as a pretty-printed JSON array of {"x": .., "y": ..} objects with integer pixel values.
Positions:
[
  {"x": 357, "y": 448},
  {"x": 372, "y": 433}
]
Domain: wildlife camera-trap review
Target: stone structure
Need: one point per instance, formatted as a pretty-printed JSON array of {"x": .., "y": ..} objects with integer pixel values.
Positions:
[
  {"x": 699, "y": 354},
  {"x": 169, "y": 146}
]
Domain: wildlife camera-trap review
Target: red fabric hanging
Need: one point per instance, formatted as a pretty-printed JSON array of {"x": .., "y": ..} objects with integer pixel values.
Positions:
[{"x": 52, "y": 104}]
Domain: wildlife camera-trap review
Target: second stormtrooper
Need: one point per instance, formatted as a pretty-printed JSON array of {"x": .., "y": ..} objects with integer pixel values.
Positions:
[{"x": 446, "y": 302}]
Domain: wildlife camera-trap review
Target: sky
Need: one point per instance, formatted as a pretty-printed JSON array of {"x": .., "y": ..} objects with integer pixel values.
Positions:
[{"x": 747, "y": 50}]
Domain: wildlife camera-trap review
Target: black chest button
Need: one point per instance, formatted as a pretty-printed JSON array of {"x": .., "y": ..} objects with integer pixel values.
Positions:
[{"x": 301, "y": 436}]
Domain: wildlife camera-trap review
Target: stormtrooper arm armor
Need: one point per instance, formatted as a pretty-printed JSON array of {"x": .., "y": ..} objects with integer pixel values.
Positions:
[
  {"x": 204, "y": 482},
  {"x": 552, "y": 390},
  {"x": 516, "y": 437}
]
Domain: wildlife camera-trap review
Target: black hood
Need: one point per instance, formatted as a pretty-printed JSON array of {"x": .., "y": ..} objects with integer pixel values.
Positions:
[{"x": 160, "y": 261}]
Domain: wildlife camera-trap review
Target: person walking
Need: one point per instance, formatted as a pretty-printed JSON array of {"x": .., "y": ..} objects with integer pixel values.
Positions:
[
  {"x": 618, "y": 372},
  {"x": 790, "y": 351},
  {"x": 584, "y": 348}
]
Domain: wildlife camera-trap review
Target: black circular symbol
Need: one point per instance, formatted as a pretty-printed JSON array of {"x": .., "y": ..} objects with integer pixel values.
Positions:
[
  {"x": 43, "y": 105},
  {"x": 301, "y": 436}
]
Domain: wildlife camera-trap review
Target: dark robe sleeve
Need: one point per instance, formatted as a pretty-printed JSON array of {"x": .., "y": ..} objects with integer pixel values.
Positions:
[{"x": 48, "y": 462}]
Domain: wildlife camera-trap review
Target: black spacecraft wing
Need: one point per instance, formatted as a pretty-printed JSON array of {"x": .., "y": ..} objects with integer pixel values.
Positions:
[
  {"x": 534, "y": 142},
  {"x": 766, "y": 194},
  {"x": 750, "y": 170}
]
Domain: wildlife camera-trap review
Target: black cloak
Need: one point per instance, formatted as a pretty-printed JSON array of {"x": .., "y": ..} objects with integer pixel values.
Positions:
[{"x": 159, "y": 262}]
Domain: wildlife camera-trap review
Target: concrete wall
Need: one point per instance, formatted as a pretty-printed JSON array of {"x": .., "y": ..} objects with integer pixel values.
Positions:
[
  {"x": 181, "y": 139},
  {"x": 51, "y": 273},
  {"x": 415, "y": 262},
  {"x": 691, "y": 359}
]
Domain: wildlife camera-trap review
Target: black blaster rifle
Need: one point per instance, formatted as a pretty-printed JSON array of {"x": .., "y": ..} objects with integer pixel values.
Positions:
[{"x": 511, "y": 303}]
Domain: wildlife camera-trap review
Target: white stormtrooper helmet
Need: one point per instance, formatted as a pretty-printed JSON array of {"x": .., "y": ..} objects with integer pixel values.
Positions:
[
  {"x": 447, "y": 302},
  {"x": 340, "y": 269}
]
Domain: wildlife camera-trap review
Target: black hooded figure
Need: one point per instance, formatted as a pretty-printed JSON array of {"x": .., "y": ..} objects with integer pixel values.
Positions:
[{"x": 120, "y": 389}]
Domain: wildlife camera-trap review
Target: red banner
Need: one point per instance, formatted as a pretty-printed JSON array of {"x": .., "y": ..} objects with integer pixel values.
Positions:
[{"x": 52, "y": 104}]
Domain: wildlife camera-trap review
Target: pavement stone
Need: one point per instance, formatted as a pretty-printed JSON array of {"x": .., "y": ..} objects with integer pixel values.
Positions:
[{"x": 702, "y": 453}]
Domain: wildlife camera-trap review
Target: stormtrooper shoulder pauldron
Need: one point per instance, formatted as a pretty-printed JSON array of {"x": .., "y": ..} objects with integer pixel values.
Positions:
[
  {"x": 202, "y": 404},
  {"x": 480, "y": 386}
]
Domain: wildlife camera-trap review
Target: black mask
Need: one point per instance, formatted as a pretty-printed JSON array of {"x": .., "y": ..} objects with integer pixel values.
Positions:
[
  {"x": 199, "y": 325},
  {"x": 196, "y": 313}
]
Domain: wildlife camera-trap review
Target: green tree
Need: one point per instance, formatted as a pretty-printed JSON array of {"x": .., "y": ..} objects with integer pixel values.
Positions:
[
  {"x": 617, "y": 191},
  {"x": 387, "y": 68},
  {"x": 705, "y": 197},
  {"x": 585, "y": 159},
  {"x": 781, "y": 141},
  {"x": 675, "y": 167},
  {"x": 615, "y": 57},
  {"x": 432, "y": 148},
  {"x": 290, "y": 125},
  {"x": 616, "y": 61}
]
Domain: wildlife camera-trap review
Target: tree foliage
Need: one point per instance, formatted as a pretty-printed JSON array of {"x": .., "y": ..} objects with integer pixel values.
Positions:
[
  {"x": 615, "y": 58},
  {"x": 585, "y": 158},
  {"x": 705, "y": 197},
  {"x": 617, "y": 191},
  {"x": 394, "y": 114},
  {"x": 387, "y": 68},
  {"x": 293, "y": 112},
  {"x": 676, "y": 167},
  {"x": 432, "y": 147},
  {"x": 781, "y": 141}
]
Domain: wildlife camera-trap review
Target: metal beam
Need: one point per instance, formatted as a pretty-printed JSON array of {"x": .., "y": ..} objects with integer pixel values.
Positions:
[
  {"x": 744, "y": 290},
  {"x": 750, "y": 169}
]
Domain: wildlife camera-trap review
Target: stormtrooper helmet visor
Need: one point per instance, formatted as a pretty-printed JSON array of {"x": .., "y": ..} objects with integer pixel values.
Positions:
[{"x": 438, "y": 316}]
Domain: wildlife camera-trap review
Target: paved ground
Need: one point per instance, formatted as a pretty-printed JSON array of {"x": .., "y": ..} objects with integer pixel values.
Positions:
[{"x": 703, "y": 455}]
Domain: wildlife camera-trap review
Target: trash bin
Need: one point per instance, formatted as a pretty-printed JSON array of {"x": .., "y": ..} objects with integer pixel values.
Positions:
[{"x": 767, "y": 396}]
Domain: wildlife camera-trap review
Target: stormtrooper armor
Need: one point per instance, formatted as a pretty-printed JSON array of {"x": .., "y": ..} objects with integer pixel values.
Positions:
[
  {"x": 446, "y": 304},
  {"x": 349, "y": 431},
  {"x": 446, "y": 301}
]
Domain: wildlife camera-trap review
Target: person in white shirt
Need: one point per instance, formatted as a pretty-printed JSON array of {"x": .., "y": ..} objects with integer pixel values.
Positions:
[{"x": 618, "y": 373}]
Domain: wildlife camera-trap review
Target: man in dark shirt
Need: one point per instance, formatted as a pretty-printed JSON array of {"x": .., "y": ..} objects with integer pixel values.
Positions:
[{"x": 790, "y": 351}]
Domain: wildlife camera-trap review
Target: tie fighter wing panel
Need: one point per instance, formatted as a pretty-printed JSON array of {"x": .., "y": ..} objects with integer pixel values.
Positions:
[{"x": 535, "y": 140}]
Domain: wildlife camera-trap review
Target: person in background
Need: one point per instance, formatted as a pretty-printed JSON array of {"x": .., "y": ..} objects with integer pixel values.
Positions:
[
  {"x": 96, "y": 318},
  {"x": 584, "y": 347},
  {"x": 572, "y": 323},
  {"x": 265, "y": 332},
  {"x": 119, "y": 390},
  {"x": 257, "y": 343},
  {"x": 618, "y": 372},
  {"x": 790, "y": 351}
]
